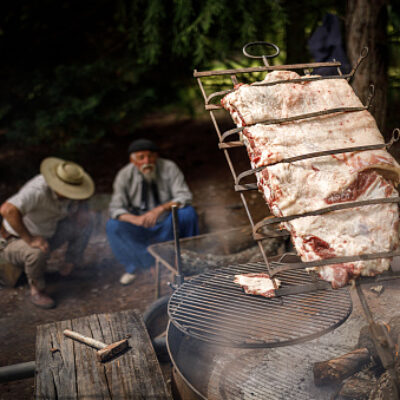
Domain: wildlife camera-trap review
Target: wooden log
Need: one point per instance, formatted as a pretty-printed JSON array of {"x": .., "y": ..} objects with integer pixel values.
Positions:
[
  {"x": 356, "y": 388},
  {"x": 336, "y": 370},
  {"x": 365, "y": 339},
  {"x": 384, "y": 390}
]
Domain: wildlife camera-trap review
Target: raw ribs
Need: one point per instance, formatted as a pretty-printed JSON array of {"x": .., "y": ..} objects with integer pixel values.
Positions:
[
  {"x": 258, "y": 284},
  {"x": 308, "y": 185}
]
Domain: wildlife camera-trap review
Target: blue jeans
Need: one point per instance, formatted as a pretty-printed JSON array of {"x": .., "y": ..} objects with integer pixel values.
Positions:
[{"x": 129, "y": 242}]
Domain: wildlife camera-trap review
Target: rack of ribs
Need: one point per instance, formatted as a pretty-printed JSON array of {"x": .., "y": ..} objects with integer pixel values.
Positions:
[{"x": 292, "y": 188}]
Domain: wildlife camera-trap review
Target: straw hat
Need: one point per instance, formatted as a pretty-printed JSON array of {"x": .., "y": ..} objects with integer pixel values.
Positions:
[{"x": 67, "y": 178}]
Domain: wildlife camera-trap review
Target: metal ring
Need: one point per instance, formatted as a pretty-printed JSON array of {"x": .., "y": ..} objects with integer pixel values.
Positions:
[
  {"x": 371, "y": 90},
  {"x": 396, "y": 135},
  {"x": 364, "y": 52},
  {"x": 261, "y": 43}
]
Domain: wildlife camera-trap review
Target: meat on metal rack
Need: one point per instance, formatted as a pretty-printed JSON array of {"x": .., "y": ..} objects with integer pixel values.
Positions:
[{"x": 211, "y": 307}]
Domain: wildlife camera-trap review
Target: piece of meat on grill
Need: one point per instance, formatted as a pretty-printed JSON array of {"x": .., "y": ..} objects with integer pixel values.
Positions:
[
  {"x": 311, "y": 184},
  {"x": 257, "y": 284}
]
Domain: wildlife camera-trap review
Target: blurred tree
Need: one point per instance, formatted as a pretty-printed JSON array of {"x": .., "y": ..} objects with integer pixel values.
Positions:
[
  {"x": 74, "y": 71},
  {"x": 366, "y": 25}
]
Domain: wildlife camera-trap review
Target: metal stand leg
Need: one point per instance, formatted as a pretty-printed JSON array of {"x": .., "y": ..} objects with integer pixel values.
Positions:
[
  {"x": 383, "y": 343},
  {"x": 157, "y": 280},
  {"x": 178, "y": 261}
]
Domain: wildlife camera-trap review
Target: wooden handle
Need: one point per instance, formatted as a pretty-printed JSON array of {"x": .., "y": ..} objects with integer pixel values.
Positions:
[{"x": 84, "y": 339}]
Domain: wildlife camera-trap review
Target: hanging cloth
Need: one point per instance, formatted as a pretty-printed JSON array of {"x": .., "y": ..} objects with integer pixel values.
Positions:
[{"x": 326, "y": 44}]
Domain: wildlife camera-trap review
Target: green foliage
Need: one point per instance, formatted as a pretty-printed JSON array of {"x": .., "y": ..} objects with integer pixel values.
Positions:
[
  {"x": 115, "y": 63},
  {"x": 76, "y": 71},
  {"x": 76, "y": 105}
]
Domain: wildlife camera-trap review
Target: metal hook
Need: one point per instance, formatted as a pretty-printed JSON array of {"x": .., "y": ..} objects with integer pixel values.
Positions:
[
  {"x": 364, "y": 52},
  {"x": 395, "y": 137},
  {"x": 371, "y": 90},
  {"x": 264, "y": 56}
]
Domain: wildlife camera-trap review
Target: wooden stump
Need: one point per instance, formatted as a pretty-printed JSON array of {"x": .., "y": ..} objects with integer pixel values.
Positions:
[{"x": 67, "y": 369}]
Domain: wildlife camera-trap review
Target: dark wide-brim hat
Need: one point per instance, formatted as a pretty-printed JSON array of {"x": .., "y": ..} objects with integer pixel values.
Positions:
[
  {"x": 142, "y": 145},
  {"x": 67, "y": 178}
]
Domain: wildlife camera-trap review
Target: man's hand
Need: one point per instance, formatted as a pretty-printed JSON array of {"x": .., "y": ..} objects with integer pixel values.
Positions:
[
  {"x": 38, "y": 242},
  {"x": 147, "y": 220},
  {"x": 150, "y": 218}
]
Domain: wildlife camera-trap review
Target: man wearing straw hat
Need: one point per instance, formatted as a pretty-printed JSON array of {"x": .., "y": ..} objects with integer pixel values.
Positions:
[{"x": 47, "y": 212}]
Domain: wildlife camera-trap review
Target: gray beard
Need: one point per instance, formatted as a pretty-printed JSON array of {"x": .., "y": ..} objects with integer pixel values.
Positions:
[{"x": 150, "y": 176}]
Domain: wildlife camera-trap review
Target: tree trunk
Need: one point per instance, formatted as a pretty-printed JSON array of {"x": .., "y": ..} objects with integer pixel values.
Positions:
[
  {"x": 366, "y": 23},
  {"x": 296, "y": 43}
]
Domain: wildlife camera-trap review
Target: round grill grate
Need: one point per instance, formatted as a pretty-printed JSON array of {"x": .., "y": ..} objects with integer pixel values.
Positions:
[{"x": 212, "y": 308}]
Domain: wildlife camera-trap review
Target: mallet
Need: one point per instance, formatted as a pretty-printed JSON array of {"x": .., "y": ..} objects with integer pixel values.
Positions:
[{"x": 105, "y": 352}]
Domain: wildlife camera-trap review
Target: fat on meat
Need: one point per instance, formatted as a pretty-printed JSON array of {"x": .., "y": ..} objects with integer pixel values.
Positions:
[
  {"x": 308, "y": 185},
  {"x": 257, "y": 284}
]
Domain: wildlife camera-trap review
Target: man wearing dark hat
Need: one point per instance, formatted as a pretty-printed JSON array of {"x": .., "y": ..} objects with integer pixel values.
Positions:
[
  {"x": 47, "y": 212},
  {"x": 143, "y": 193}
]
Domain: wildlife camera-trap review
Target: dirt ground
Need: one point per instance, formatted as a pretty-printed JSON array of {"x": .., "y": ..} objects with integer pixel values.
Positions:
[{"x": 94, "y": 286}]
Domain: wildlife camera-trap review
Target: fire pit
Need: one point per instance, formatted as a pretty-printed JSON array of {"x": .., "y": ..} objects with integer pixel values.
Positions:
[
  {"x": 203, "y": 370},
  {"x": 214, "y": 372}
]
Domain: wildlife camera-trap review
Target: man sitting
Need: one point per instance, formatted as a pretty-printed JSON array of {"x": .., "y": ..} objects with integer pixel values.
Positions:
[
  {"x": 143, "y": 193},
  {"x": 47, "y": 212}
]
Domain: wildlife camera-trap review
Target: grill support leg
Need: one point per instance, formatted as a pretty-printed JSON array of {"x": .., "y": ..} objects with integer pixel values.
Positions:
[{"x": 383, "y": 343}]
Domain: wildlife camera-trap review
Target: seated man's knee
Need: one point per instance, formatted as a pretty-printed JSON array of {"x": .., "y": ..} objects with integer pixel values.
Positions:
[
  {"x": 35, "y": 256},
  {"x": 114, "y": 227},
  {"x": 111, "y": 226}
]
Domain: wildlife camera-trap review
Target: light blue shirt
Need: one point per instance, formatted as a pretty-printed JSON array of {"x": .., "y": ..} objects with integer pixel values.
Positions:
[{"x": 40, "y": 207}]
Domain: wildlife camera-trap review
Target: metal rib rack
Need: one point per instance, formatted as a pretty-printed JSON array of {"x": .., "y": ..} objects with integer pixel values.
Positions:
[
  {"x": 212, "y": 308},
  {"x": 264, "y": 228}
]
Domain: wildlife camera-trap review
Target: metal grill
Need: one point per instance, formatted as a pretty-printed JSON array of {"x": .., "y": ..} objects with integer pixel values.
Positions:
[{"x": 212, "y": 308}]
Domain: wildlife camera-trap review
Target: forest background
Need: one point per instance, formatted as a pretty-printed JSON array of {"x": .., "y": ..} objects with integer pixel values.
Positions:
[{"x": 74, "y": 73}]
